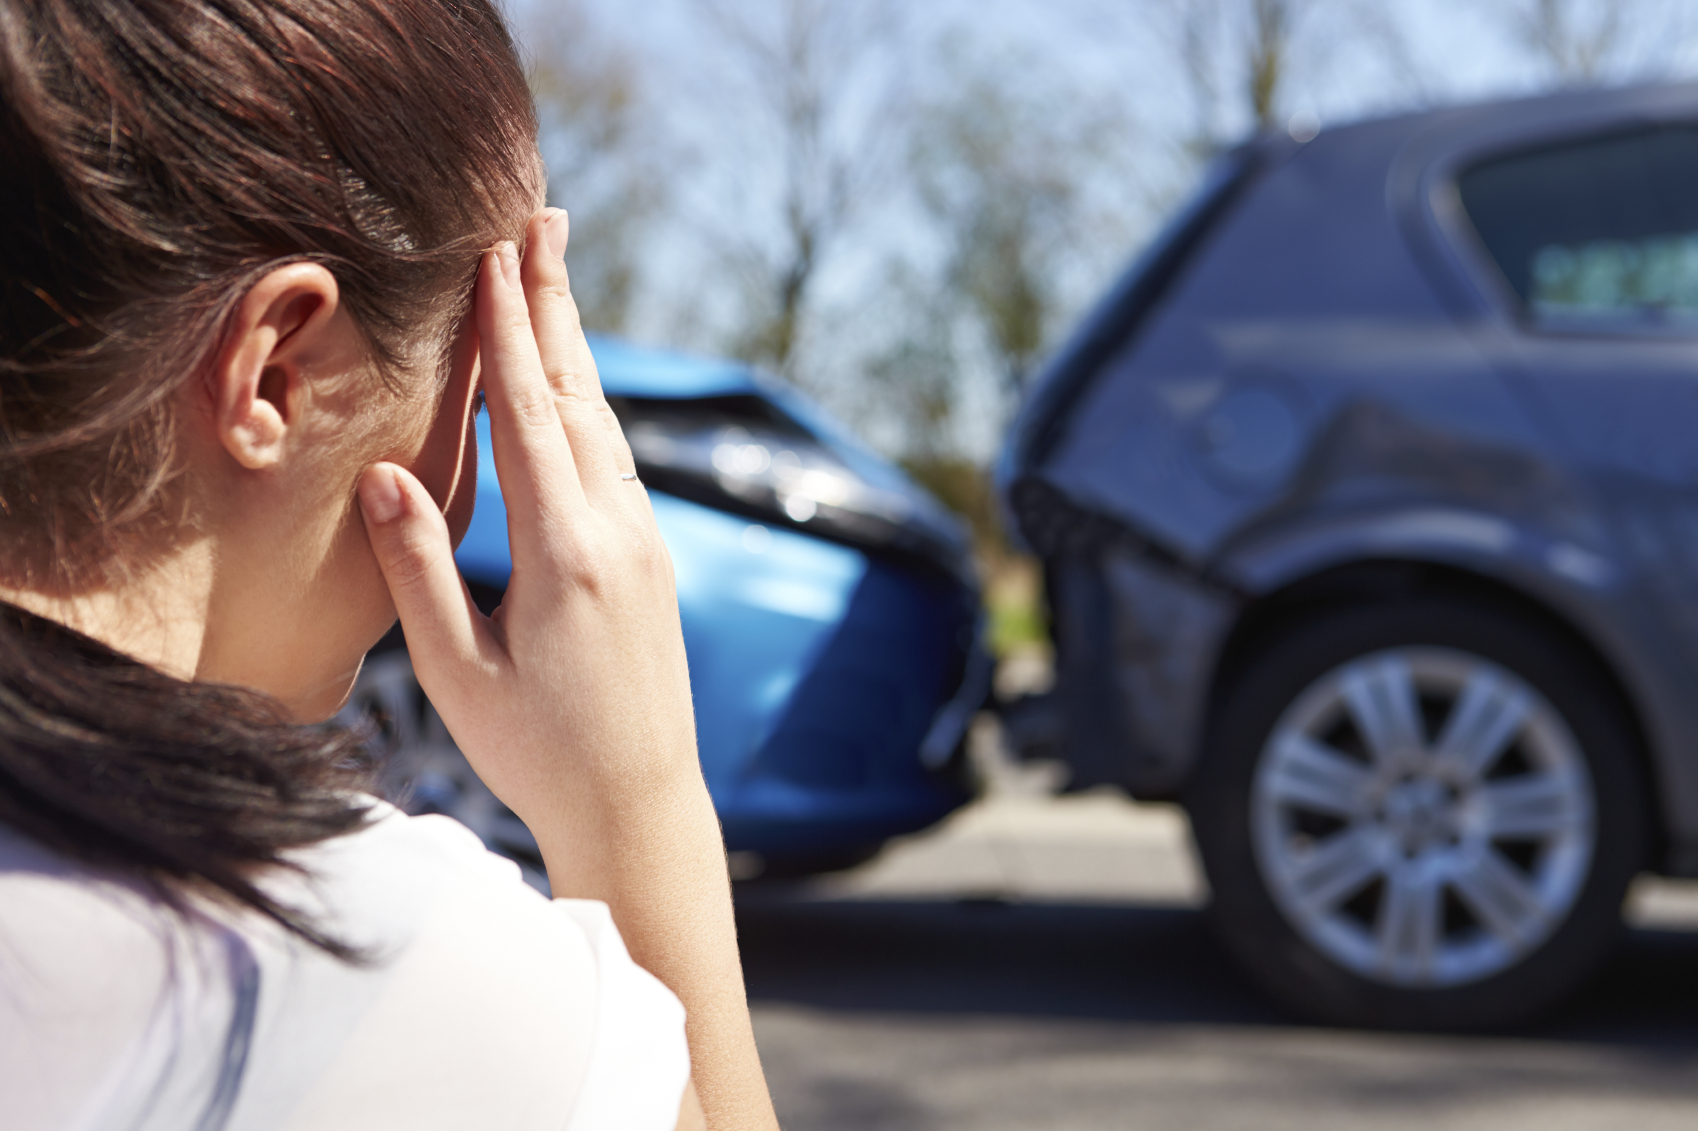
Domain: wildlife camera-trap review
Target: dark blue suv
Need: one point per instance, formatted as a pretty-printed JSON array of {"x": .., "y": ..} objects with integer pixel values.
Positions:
[{"x": 1368, "y": 505}]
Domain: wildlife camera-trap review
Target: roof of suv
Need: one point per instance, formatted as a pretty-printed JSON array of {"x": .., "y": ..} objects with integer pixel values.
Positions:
[
  {"x": 1299, "y": 268},
  {"x": 1359, "y": 226}
]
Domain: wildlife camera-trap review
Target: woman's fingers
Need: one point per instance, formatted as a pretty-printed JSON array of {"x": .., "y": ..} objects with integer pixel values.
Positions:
[
  {"x": 597, "y": 442},
  {"x": 566, "y": 357},
  {"x": 410, "y": 538},
  {"x": 533, "y": 459}
]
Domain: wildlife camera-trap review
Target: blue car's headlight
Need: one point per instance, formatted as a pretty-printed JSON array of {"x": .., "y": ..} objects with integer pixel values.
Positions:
[{"x": 742, "y": 453}]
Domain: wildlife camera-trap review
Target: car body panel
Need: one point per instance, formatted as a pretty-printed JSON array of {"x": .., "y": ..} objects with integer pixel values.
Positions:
[
  {"x": 637, "y": 371},
  {"x": 817, "y": 668},
  {"x": 1339, "y": 374}
]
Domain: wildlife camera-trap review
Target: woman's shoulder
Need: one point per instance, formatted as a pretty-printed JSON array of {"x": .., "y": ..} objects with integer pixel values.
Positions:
[
  {"x": 98, "y": 977},
  {"x": 503, "y": 1008},
  {"x": 478, "y": 1000},
  {"x": 61, "y": 925},
  {"x": 393, "y": 851},
  {"x": 391, "y": 837}
]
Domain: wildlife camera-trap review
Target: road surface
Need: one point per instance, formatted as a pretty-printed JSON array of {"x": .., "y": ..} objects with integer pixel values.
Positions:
[{"x": 1044, "y": 964}]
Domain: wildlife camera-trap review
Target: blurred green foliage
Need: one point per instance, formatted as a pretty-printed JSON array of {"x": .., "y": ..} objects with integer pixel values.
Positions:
[{"x": 1013, "y": 588}]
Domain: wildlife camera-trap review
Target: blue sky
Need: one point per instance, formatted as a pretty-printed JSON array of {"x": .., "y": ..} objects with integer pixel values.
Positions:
[{"x": 1350, "y": 58}]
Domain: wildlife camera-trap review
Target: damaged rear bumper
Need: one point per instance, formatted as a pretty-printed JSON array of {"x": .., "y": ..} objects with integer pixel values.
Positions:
[{"x": 1138, "y": 632}]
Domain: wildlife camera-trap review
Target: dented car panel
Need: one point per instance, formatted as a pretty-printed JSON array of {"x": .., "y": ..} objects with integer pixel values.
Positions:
[{"x": 1333, "y": 372}]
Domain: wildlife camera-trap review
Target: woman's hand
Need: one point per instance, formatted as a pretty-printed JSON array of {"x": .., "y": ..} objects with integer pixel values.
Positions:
[
  {"x": 578, "y": 682},
  {"x": 572, "y": 701}
]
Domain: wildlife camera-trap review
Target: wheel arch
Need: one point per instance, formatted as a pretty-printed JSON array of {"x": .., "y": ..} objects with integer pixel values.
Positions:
[{"x": 1392, "y": 579}]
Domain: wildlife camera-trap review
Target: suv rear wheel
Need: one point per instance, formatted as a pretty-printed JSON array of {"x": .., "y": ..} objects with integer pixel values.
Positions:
[{"x": 1419, "y": 815}]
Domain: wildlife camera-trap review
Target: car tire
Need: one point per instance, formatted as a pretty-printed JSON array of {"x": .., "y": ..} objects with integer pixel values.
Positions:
[{"x": 1365, "y": 870}]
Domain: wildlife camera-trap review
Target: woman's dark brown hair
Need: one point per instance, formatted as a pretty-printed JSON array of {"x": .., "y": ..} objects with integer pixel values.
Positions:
[{"x": 157, "y": 157}]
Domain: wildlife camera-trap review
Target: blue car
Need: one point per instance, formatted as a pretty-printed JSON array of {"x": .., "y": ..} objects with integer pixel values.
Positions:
[{"x": 830, "y": 613}]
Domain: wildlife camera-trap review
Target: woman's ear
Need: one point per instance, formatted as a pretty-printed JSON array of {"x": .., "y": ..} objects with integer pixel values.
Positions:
[{"x": 257, "y": 379}]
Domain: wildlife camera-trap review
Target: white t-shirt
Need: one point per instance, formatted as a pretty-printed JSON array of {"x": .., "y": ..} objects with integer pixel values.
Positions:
[{"x": 483, "y": 1005}]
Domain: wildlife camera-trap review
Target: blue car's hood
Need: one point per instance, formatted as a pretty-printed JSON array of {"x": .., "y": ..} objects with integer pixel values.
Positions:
[
  {"x": 632, "y": 371},
  {"x": 635, "y": 371},
  {"x": 639, "y": 373}
]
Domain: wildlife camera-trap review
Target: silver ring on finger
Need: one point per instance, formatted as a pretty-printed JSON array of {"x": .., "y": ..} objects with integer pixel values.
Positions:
[{"x": 629, "y": 476}]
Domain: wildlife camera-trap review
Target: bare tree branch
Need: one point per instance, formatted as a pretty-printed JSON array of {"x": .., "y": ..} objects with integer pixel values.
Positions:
[
  {"x": 1586, "y": 42},
  {"x": 1555, "y": 30},
  {"x": 605, "y": 164},
  {"x": 1267, "y": 52},
  {"x": 815, "y": 86},
  {"x": 1245, "y": 64},
  {"x": 1241, "y": 46}
]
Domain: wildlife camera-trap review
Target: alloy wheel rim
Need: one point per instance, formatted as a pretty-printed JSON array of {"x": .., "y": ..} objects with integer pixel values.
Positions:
[{"x": 1423, "y": 817}]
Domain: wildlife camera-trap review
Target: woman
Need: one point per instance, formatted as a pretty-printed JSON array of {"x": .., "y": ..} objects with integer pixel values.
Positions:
[{"x": 261, "y": 260}]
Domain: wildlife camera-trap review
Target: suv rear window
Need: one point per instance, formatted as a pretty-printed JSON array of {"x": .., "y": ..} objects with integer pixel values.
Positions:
[{"x": 1602, "y": 231}]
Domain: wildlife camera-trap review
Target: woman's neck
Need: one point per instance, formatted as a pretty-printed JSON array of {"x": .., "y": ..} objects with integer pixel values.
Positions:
[{"x": 156, "y": 615}]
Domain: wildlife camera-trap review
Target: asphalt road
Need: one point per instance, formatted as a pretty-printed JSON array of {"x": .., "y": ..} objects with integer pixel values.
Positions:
[{"x": 1045, "y": 963}]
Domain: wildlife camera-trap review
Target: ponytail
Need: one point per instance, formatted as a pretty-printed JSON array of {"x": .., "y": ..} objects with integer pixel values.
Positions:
[
  {"x": 184, "y": 786},
  {"x": 160, "y": 156}
]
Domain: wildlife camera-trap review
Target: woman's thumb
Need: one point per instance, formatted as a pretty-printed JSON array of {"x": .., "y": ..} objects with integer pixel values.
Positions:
[{"x": 410, "y": 538}]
